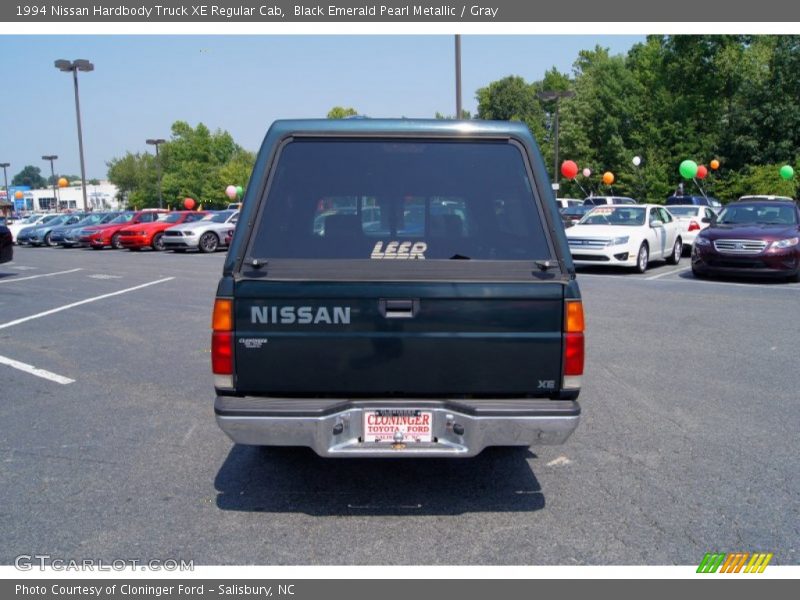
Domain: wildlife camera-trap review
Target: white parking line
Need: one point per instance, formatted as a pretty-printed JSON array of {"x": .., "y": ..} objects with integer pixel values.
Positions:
[
  {"x": 23, "y": 268},
  {"x": 37, "y": 276},
  {"x": 21, "y": 366},
  {"x": 87, "y": 301},
  {"x": 681, "y": 270},
  {"x": 770, "y": 286}
]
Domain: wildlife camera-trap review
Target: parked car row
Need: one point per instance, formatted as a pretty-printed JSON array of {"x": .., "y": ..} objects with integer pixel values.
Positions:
[
  {"x": 754, "y": 236},
  {"x": 157, "y": 229}
]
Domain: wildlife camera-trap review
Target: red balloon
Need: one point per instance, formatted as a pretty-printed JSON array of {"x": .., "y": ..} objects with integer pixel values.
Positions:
[
  {"x": 702, "y": 172},
  {"x": 569, "y": 169},
  {"x": 188, "y": 203}
]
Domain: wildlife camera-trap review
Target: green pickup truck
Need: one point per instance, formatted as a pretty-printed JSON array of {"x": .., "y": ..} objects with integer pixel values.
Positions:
[{"x": 398, "y": 288}]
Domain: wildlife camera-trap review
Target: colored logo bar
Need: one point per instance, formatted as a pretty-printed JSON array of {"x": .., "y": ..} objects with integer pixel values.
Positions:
[{"x": 734, "y": 562}]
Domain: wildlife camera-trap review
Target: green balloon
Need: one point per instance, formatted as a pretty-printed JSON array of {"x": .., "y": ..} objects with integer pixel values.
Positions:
[
  {"x": 787, "y": 172},
  {"x": 688, "y": 169},
  {"x": 239, "y": 191}
]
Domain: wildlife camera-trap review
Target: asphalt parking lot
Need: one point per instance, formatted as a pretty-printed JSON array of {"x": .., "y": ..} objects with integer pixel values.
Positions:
[{"x": 688, "y": 441}]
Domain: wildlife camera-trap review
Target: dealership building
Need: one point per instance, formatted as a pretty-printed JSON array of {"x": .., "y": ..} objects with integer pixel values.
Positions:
[{"x": 102, "y": 196}]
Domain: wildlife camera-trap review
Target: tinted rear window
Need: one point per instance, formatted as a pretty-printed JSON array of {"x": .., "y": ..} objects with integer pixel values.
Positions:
[{"x": 362, "y": 199}]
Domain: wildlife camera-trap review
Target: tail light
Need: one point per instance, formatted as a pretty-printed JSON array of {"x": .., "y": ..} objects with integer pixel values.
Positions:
[
  {"x": 573, "y": 345},
  {"x": 222, "y": 343},
  {"x": 694, "y": 226}
]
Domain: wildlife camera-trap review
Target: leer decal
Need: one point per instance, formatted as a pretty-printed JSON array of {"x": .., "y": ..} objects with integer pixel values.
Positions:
[{"x": 399, "y": 250}]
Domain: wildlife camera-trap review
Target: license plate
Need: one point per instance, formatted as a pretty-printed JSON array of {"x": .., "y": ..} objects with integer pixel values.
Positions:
[{"x": 387, "y": 426}]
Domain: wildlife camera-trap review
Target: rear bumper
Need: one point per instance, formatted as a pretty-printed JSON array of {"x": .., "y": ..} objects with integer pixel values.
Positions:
[{"x": 334, "y": 427}]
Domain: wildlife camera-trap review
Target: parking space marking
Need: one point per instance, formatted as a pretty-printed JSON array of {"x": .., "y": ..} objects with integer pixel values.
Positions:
[
  {"x": 769, "y": 286},
  {"x": 21, "y": 366},
  {"x": 22, "y": 268},
  {"x": 681, "y": 270},
  {"x": 102, "y": 276},
  {"x": 37, "y": 276},
  {"x": 87, "y": 301}
]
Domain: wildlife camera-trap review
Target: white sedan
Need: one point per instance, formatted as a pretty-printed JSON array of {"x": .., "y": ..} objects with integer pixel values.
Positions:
[
  {"x": 626, "y": 235},
  {"x": 692, "y": 219}
]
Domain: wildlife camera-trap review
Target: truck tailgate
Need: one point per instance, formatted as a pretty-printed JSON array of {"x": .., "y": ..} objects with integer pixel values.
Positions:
[{"x": 426, "y": 339}]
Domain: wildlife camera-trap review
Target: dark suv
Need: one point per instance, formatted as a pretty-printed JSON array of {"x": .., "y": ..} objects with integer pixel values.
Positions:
[
  {"x": 757, "y": 238},
  {"x": 398, "y": 288}
]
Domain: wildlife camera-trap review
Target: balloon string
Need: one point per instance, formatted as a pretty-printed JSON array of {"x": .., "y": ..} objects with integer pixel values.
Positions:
[
  {"x": 699, "y": 188},
  {"x": 580, "y": 186}
]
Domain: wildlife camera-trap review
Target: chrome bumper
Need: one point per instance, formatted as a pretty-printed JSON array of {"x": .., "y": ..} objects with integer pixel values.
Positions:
[{"x": 334, "y": 428}]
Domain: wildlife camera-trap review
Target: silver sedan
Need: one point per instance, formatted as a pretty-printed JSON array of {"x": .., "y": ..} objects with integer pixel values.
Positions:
[{"x": 205, "y": 235}]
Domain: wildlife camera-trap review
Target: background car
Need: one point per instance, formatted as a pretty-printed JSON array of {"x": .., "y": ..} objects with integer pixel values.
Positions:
[
  {"x": 678, "y": 200},
  {"x": 598, "y": 200},
  {"x": 42, "y": 234},
  {"x": 100, "y": 236},
  {"x": 692, "y": 220},
  {"x": 206, "y": 235},
  {"x": 567, "y": 202},
  {"x": 61, "y": 234},
  {"x": 626, "y": 236},
  {"x": 6, "y": 245},
  {"x": 572, "y": 214},
  {"x": 758, "y": 238},
  {"x": 144, "y": 235},
  {"x": 28, "y": 225}
]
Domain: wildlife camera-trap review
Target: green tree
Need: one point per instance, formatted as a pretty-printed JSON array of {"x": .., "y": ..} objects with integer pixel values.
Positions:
[
  {"x": 340, "y": 112},
  {"x": 136, "y": 179},
  {"x": 30, "y": 176}
]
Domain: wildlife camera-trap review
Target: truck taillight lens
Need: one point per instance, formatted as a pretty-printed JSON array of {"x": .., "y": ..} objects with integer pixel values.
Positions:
[
  {"x": 222, "y": 341},
  {"x": 573, "y": 345},
  {"x": 694, "y": 226},
  {"x": 222, "y": 353},
  {"x": 573, "y": 354},
  {"x": 223, "y": 315}
]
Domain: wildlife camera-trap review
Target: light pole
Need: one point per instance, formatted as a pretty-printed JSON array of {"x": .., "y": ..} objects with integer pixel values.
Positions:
[
  {"x": 51, "y": 158},
  {"x": 75, "y": 66},
  {"x": 156, "y": 143},
  {"x": 557, "y": 96},
  {"x": 458, "y": 76},
  {"x": 5, "y": 178}
]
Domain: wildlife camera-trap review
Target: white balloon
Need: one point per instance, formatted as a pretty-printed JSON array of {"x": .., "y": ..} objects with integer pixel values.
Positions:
[
  {"x": 636, "y": 161},
  {"x": 587, "y": 172}
]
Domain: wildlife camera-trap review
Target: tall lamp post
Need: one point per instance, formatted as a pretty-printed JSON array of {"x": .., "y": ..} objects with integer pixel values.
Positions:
[
  {"x": 5, "y": 178},
  {"x": 557, "y": 96},
  {"x": 51, "y": 158},
  {"x": 73, "y": 67},
  {"x": 156, "y": 143}
]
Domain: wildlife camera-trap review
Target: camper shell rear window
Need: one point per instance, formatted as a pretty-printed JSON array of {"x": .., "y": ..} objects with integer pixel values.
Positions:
[{"x": 340, "y": 199}]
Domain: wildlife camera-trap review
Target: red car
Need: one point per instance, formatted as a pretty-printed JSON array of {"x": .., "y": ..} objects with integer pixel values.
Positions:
[
  {"x": 143, "y": 235},
  {"x": 100, "y": 236}
]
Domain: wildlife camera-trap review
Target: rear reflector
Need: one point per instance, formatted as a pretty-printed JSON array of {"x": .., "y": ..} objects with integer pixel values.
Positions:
[
  {"x": 573, "y": 354},
  {"x": 223, "y": 315},
  {"x": 222, "y": 353},
  {"x": 573, "y": 318}
]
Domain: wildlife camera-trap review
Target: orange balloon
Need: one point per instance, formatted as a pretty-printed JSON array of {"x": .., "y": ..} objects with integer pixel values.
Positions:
[
  {"x": 18, "y": 195},
  {"x": 608, "y": 178},
  {"x": 62, "y": 182},
  {"x": 714, "y": 164}
]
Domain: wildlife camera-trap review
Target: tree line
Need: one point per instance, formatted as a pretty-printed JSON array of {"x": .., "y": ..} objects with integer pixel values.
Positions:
[{"x": 733, "y": 98}]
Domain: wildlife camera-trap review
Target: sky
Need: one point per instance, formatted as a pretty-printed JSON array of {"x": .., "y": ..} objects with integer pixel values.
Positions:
[{"x": 142, "y": 84}]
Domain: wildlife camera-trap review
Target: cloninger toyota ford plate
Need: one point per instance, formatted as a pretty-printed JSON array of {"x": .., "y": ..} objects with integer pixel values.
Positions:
[{"x": 385, "y": 425}]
